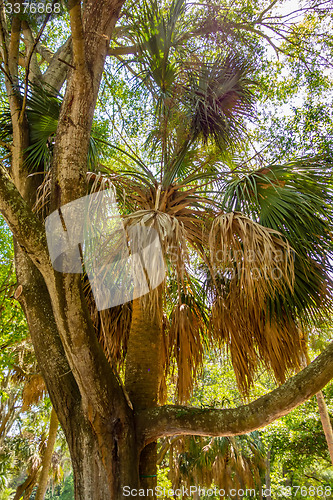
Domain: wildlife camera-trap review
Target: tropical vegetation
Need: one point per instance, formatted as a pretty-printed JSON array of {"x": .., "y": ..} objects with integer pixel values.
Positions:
[{"x": 167, "y": 110}]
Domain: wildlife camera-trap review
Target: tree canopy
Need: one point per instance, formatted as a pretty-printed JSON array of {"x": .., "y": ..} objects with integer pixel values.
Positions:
[{"x": 211, "y": 125}]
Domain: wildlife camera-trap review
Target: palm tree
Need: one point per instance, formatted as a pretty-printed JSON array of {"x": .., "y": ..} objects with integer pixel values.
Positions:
[{"x": 259, "y": 240}]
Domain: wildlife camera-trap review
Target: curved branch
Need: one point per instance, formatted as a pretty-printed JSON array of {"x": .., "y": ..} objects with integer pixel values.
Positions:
[
  {"x": 25, "y": 226},
  {"x": 75, "y": 15},
  {"x": 154, "y": 423},
  {"x": 56, "y": 73},
  {"x": 45, "y": 52},
  {"x": 123, "y": 51}
]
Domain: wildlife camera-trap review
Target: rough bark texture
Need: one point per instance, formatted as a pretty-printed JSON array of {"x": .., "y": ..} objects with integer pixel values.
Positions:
[{"x": 60, "y": 383}]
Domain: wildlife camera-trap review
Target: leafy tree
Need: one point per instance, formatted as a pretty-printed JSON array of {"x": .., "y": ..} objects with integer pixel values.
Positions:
[{"x": 201, "y": 99}]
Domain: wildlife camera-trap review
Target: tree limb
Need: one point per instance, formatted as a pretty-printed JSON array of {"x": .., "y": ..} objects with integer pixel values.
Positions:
[
  {"x": 56, "y": 73},
  {"x": 74, "y": 7},
  {"x": 154, "y": 423},
  {"x": 13, "y": 50},
  {"x": 25, "y": 226},
  {"x": 45, "y": 52},
  {"x": 27, "y": 68},
  {"x": 4, "y": 36},
  {"x": 30, "y": 45},
  {"x": 122, "y": 51},
  {"x": 261, "y": 15}
]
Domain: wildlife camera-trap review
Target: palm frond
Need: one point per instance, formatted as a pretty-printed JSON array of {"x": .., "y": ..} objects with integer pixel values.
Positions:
[
  {"x": 294, "y": 199},
  {"x": 226, "y": 462},
  {"x": 43, "y": 108},
  {"x": 219, "y": 96},
  {"x": 255, "y": 261},
  {"x": 33, "y": 391},
  {"x": 156, "y": 32}
]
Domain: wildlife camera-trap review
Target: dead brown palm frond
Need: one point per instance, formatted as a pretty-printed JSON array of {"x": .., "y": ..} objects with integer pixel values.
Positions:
[
  {"x": 33, "y": 391},
  {"x": 96, "y": 182},
  {"x": 112, "y": 327},
  {"x": 24, "y": 361},
  {"x": 19, "y": 374},
  {"x": 255, "y": 261},
  {"x": 186, "y": 346},
  {"x": 171, "y": 233},
  {"x": 227, "y": 462},
  {"x": 282, "y": 346},
  {"x": 253, "y": 264},
  {"x": 43, "y": 195},
  {"x": 252, "y": 337}
]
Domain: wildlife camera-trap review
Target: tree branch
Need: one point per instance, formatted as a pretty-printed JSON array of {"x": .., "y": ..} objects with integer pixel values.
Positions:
[
  {"x": 4, "y": 36},
  {"x": 13, "y": 50},
  {"x": 261, "y": 15},
  {"x": 154, "y": 423},
  {"x": 123, "y": 51},
  {"x": 27, "y": 68},
  {"x": 30, "y": 45},
  {"x": 74, "y": 7},
  {"x": 56, "y": 73},
  {"x": 45, "y": 52},
  {"x": 25, "y": 226}
]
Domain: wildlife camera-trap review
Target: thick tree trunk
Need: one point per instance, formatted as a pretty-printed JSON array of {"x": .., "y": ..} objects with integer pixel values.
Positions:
[{"x": 90, "y": 477}]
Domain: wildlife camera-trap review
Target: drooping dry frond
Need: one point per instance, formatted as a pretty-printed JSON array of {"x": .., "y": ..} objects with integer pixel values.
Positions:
[
  {"x": 254, "y": 261},
  {"x": 226, "y": 462},
  {"x": 43, "y": 195},
  {"x": 33, "y": 391},
  {"x": 171, "y": 233},
  {"x": 252, "y": 337},
  {"x": 253, "y": 265},
  {"x": 96, "y": 182},
  {"x": 186, "y": 346},
  {"x": 112, "y": 327}
]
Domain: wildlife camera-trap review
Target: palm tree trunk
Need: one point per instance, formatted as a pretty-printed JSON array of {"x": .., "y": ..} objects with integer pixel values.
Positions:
[
  {"x": 325, "y": 422},
  {"x": 47, "y": 457},
  {"x": 144, "y": 371}
]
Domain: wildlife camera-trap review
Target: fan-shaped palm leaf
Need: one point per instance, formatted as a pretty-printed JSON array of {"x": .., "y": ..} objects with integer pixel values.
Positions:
[
  {"x": 43, "y": 108},
  {"x": 294, "y": 199}
]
